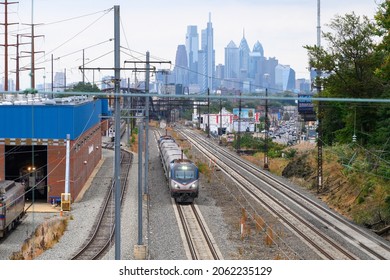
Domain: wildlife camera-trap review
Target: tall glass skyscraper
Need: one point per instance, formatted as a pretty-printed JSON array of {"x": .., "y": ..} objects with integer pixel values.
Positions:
[
  {"x": 244, "y": 69},
  {"x": 232, "y": 64},
  {"x": 244, "y": 58},
  {"x": 206, "y": 66},
  {"x": 192, "y": 47},
  {"x": 284, "y": 77},
  {"x": 181, "y": 66}
]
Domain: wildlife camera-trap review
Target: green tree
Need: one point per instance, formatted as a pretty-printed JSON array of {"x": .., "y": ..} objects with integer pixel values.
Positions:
[
  {"x": 84, "y": 87},
  {"x": 381, "y": 136},
  {"x": 383, "y": 30},
  {"x": 349, "y": 65}
]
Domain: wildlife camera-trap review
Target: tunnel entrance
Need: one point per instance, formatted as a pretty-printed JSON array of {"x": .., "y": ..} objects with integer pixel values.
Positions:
[{"x": 28, "y": 165}]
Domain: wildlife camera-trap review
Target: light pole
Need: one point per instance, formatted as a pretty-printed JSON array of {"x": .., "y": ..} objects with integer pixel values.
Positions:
[
  {"x": 220, "y": 121},
  {"x": 208, "y": 113},
  {"x": 266, "y": 167},
  {"x": 239, "y": 126}
]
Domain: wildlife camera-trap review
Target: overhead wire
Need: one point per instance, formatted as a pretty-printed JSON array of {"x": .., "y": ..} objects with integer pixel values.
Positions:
[
  {"x": 106, "y": 11},
  {"x": 74, "y": 36},
  {"x": 78, "y": 33}
]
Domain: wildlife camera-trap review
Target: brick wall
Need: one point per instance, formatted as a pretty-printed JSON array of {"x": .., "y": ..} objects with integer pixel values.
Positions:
[{"x": 85, "y": 154}]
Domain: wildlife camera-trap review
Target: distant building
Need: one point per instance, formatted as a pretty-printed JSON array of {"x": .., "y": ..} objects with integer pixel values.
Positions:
[
  {"x": 232, "y": 62},
  {"x": 243, "y": 58},
  {"x": 219, "y": 75},
  {"x": 206, "y": 56},
  {"x": 243, "y": 69},
  {"x": 59, "y": 81},
  {"x": 11, "y": 85},
  {"x": 256, "y": 71},
  {"x": 284, "y": 77},
  {"x": 192, "y": 48},
  {"x": 232, "y": 66},
  {"x": 303, "y": 85},
  {"x": 181, "y": 66}
]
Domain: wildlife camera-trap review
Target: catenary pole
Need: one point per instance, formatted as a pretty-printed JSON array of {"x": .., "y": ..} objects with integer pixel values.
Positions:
[
  {"x": 266, "y": 124},
  {"x": 147, "y": 77},
  {"x": 320, "y": 107},
  {"x": 140, "y": 148},
  {"x": 117, "y": 133},
  {"x": 208, "y": 113}
]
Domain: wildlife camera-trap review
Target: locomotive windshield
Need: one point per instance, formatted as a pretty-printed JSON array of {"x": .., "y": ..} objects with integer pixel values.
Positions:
[{"x": 185, "y": 172}]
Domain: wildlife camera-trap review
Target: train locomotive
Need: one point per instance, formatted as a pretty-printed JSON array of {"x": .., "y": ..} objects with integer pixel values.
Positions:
[
  {"x": 31, "y": 177},
  {"x": 11, "y": 205},
  {"x": 182, "y": 173}
]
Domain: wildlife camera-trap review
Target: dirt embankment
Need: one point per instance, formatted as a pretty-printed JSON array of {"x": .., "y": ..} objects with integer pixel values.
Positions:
[
  {"x": 45, "y": 236},
  {"x": 359, "y": 196}
]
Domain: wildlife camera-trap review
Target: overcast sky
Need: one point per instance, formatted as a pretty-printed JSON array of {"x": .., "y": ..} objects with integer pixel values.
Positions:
[{"x": 281, "y": 26}]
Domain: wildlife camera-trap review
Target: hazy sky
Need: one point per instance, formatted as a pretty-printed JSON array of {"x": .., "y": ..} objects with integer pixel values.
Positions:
[{"x": 281, "y": 26}]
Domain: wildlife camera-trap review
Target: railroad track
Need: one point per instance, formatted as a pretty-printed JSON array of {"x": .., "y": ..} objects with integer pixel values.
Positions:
[
  {"x": 102, "y": 235},
  {"x": 200, "y": 244},
  {"x": 273, "y": 194}
]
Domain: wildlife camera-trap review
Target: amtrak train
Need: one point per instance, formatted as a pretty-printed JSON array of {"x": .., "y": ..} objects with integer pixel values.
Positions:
[
  {"x": 182, "y": 173},
  {"x": 11, "y": 205}
]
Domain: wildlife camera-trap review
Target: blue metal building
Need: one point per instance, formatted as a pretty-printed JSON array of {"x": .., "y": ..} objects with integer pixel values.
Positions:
[{"x": 34, "y": 135}]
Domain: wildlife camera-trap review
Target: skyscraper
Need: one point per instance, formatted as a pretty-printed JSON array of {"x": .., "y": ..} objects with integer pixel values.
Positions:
[
  {"x": 269, "y": 66},
  {"x": 284, "y": 77},
  {"x": 206, "y": 58},
  {"x": 192, "y": 48},
  {"x": 219, "y": 75},
  {"x": 181, "y": 66},
  {"x": 232, "y": 63},
  {"x": 244, "y": 58},
  {"x": 256, "y": 61}
]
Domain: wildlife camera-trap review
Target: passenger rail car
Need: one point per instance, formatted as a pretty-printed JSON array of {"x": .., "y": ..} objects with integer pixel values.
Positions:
[
  {"x": 182, "y": 173},
  {"x": 31, "y": 177},
  {"x": 11, "y": 205},
  {"x": 111, "y": 131}
]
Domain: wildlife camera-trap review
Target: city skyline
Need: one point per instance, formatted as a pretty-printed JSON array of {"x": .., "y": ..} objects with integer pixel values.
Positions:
[{"x": 161, "y": 27}]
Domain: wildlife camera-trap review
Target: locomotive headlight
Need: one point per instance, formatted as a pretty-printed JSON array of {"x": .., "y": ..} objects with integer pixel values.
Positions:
[
  {"x": 193, "y": 186},
  {"x": 176, "y": 186}
]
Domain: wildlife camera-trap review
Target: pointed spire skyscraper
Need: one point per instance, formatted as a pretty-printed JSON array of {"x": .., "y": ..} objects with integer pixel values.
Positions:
[{"x": 206, "y": 58}]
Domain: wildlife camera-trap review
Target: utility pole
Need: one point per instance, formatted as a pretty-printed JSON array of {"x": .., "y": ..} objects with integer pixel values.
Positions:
[
  {"x": 147, "y": 78},
  {"x": 199, "y": 115},
  {"x": 6, "y": 45},
  {"x": 117, "y": 173},
  {"x": 32, "y": 52},
  {"x": 17, "y": 59},
  {"x": 64, "y": 79},
  {"x": 17, "y": 82},
  {"x": 83, "y": 67},
  {"x": 147, "y": 105},
  {"x": 140, "y": 149},
  {"x": 208, "y": 113},
  {"x": 320, "y": 109},
  {"x": 220, "y": 121},
  {"x": 52, "y": 75},
  {"x": 319, "y": 136},
  {"x": 266, "y": 166},
  {"x": 239, "y": 126}
]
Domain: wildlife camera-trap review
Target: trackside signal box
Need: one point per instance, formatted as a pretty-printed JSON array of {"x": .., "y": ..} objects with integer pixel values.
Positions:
[{"x": 65, "y": 201}]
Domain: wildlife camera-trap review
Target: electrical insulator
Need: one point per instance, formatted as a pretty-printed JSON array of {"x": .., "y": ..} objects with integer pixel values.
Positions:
[{"x": 354, "y": 138}]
